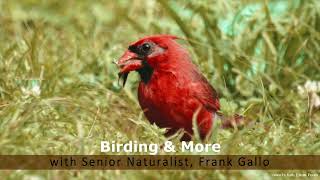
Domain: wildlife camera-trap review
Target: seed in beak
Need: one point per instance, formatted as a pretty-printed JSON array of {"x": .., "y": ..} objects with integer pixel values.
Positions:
[{"x": 122, "y": 76}]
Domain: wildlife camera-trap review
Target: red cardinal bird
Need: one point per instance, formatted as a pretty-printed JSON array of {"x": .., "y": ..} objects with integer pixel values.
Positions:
[{"x": 172, "y": 90}]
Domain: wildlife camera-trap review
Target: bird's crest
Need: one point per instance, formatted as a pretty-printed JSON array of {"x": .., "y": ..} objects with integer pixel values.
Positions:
[{"x": 156, "y": 38}]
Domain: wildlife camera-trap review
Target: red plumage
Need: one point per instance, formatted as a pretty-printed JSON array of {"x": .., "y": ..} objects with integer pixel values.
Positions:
[{"x": 172, "y": 89}]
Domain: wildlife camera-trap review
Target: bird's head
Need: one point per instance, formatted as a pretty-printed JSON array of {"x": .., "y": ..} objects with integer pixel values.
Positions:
[{"x": 144, "y": 55}]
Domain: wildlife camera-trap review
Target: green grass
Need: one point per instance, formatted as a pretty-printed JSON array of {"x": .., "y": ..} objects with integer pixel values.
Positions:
[{"x": 59, "y": 92}]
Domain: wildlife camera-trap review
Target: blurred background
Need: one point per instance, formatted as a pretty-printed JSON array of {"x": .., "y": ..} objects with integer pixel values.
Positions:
[{"x": 59, "y": 91}]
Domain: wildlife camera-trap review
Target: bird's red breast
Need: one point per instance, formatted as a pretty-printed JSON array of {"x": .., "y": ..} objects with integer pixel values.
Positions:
[{"x": 172, "y": 90}]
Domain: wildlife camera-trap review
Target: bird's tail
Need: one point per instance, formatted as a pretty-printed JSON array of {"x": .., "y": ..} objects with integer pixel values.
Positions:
[{"x": 234, "y": 121}]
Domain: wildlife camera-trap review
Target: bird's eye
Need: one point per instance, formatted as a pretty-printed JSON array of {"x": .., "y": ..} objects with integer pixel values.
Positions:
[{"x": 146, "y": 48}]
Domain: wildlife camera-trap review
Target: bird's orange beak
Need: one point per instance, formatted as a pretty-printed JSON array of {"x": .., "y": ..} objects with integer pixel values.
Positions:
[{"x": 129, "y": 61}]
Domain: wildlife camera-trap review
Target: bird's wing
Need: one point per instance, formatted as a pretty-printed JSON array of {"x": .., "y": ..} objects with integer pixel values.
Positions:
[{"x": 204, "y": 92}]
